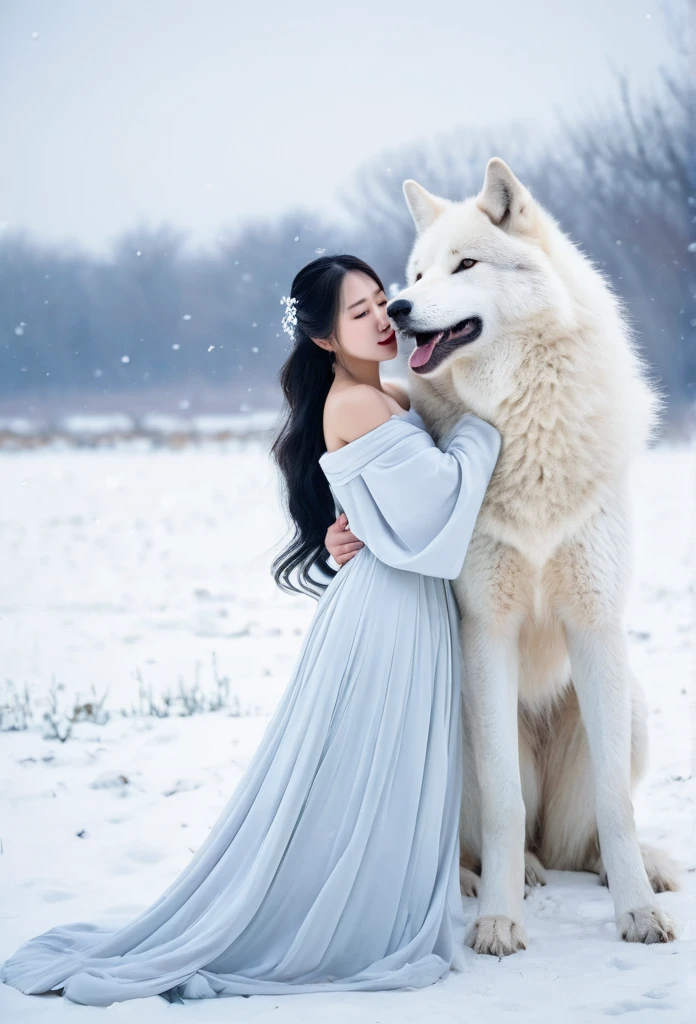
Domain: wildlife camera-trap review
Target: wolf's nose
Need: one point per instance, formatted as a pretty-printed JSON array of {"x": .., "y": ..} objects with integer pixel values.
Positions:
[{"x": 399, "y": 309}]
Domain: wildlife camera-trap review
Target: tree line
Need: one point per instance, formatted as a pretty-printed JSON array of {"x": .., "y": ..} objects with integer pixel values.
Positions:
[{"x": 620, "y": 182}]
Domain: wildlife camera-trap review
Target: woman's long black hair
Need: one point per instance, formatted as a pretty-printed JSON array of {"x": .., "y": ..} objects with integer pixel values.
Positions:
[{"x": 305, "y": 379}]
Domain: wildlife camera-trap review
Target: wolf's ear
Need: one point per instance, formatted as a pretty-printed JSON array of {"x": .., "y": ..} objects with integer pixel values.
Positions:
[
  {"x": 505, "y": 199},
  {"x": 424, "y": 207}
]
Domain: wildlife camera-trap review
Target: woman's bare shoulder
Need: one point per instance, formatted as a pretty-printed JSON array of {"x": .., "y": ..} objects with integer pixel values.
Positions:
[
  {"x": 352, "y": 411},
  {"x": 397, "y": 391}
]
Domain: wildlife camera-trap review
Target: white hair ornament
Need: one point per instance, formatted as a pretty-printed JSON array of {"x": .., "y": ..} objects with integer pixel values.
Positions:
[{"x": 290, "y": 315}]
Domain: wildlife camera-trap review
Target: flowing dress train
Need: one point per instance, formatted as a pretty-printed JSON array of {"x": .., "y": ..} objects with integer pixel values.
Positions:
[{"x": 334, "y": 865}]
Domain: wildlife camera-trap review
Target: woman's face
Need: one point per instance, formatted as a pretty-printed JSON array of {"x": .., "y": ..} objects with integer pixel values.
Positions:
[{"x": 363, "y": 327}]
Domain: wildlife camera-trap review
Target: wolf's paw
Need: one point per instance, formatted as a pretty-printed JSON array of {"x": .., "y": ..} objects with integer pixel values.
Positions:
[
  {"x": 661, "y": 870},
  {"x": 534, "y": 873},
  {"x": 497, "y": 936},
  {"x": 469, "y": 882},
  {"x": 647, "y": 924}
]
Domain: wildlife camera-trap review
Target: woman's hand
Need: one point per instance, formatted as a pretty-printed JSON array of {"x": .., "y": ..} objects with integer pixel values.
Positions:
[{"x": 341, "y": 543}]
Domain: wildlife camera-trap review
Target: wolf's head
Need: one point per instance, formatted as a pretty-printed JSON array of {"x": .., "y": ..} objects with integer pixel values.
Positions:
[
  {"x": 512, "y": 321},
  {"x": 478, "y": 269}
]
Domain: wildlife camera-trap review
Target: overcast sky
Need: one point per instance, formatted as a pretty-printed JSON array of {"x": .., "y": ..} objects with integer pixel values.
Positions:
[{"x": 202, "y": 112}]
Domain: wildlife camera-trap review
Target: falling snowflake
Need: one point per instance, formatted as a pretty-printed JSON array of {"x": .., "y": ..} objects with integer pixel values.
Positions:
[
  {"x": 186, "y": 316},
  {"x": 210, "y": 348},
  {"x": 184, "y": 403},
  {"x": 138, "y": 252},
  {"x": 254, "y": 349},
  {"x": 320, "y": 251},
  {"x": 125, "y": 359},
  {"x": 19, "y": 330},
  {"x": 176, "y": 347}
]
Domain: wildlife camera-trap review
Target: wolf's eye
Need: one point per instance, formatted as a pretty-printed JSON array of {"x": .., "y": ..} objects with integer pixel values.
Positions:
[{"x": 466, "y": 265}]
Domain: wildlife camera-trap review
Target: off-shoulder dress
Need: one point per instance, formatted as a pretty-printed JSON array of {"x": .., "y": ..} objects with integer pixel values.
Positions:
[{"x": 334, "y": 865}]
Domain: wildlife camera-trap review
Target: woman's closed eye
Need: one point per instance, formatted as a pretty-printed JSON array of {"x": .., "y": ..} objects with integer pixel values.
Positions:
[{"x": 365, "y": 313}]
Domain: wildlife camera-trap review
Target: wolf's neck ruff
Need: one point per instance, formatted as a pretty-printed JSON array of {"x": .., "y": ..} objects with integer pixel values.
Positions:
[{"x": 563, "y": 414}]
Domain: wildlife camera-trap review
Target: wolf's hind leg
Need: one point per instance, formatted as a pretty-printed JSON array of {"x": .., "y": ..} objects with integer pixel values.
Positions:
[
  {"x": 469, "y": 873},
  {"x": 568, "y": 821},
  {"x": 534, "y": 873},
  {"x": 662, "y": 871}
]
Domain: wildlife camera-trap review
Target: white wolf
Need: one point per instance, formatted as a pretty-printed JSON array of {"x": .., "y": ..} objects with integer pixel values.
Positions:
[{"x": 512, "y": 322}]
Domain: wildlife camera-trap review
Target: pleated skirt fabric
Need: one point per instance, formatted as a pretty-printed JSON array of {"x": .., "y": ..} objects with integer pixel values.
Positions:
[{"x": 334, "y": 865}]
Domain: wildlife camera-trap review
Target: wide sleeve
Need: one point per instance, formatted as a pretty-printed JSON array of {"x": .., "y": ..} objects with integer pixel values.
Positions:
[
  {"x": 414, "y": 503},
  {"x": 317, "y": 574}
]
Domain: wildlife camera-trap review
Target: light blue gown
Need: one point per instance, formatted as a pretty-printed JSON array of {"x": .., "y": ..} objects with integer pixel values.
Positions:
[{"x": 334, "y": 865}]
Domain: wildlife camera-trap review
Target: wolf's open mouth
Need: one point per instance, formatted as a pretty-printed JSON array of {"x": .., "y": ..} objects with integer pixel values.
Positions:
[{"x": 434, "y": 346}]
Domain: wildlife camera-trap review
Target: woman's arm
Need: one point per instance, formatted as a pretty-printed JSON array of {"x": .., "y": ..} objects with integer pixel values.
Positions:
[
  {"x": 342, "y": 545},
  {"x": 341, "y": 542},
  {"x": 413, "y": 503}
]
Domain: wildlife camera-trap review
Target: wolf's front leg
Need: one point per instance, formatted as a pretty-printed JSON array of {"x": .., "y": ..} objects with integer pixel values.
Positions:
[
  {"x": 601, "y": 678},
  {"x": 489, "y": 693}
]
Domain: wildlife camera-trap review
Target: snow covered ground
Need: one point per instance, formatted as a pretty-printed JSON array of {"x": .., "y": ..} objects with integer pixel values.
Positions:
[{"x": 129, "y": 570}]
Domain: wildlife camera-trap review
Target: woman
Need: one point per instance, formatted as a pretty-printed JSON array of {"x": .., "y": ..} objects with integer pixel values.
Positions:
[{"x": 335, "y": 863}]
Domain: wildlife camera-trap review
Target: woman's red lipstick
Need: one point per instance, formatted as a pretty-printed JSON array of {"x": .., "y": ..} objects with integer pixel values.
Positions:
[{"x": 389, "y": 340}]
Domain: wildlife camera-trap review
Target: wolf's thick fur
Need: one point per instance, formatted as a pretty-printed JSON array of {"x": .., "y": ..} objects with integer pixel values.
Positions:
[{"x": 554, "y": 721}]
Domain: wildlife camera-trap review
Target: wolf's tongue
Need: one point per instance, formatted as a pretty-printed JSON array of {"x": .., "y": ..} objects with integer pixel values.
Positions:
[{"x": 421, "y": 354}]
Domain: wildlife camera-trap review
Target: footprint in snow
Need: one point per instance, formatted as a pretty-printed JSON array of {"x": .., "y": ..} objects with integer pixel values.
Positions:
[
  {"x": 57, "y": 895},
  {"x": 144, "y": 855},
  {"x": 633, "y": 1005},
  {"x": 621, "y": 965}
]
